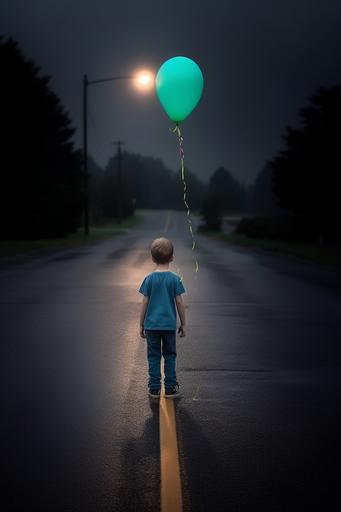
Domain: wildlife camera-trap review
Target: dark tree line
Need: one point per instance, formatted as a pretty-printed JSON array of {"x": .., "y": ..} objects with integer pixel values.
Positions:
[
  {"x": 146, "y": 183},
  {"x": 301, "y": 183},
  {"x": 40, "y": 171},
  {"x": 108, "y": 196}
]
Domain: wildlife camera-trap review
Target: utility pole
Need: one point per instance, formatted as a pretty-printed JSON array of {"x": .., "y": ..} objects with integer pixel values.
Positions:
[{"x": 119, "y": 143}]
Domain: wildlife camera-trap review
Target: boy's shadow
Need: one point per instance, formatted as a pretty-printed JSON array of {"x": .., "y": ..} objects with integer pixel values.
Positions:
[{"x": 139, "y": 488}]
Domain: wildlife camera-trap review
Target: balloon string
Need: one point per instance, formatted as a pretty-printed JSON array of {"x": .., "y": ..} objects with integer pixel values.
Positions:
[
  {"x": 179, "y": 272},
  {"x": 182, "y": 158}
]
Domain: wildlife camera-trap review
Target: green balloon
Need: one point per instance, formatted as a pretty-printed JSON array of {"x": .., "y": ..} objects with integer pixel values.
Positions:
[{"x": 179, "y": 84}]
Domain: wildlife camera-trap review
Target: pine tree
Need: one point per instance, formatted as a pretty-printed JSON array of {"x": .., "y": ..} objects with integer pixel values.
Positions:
[
  {"x": 306, "y": 173},
  {"x": 41, "y": 180}
]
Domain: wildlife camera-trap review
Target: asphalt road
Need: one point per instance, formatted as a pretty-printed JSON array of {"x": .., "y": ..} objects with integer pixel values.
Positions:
[{"x": 259, "y": 421}]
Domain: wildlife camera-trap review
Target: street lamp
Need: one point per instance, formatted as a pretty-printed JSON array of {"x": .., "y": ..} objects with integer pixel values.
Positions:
[{"x": 143, "y": 81}]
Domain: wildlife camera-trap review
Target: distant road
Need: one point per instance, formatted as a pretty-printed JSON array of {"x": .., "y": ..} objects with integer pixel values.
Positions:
[{"x": 258, "y": 425}]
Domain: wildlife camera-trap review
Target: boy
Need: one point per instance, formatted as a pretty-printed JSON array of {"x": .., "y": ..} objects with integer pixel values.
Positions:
[{"x": 162, "y": 291}]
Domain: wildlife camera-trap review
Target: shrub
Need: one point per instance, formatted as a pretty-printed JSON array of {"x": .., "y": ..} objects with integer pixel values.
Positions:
[
  {"x": 212, "y": 212},
  {"x": 265, "y": 227}
]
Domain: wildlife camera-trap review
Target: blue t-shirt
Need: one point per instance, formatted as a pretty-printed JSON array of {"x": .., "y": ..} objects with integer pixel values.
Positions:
[{"x": 161, "y": 288}]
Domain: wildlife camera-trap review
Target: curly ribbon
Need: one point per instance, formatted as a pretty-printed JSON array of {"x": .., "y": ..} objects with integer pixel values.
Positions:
[{"x": 182, "y": 158}]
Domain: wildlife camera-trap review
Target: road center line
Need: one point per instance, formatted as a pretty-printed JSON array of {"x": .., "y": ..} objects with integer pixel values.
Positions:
[{"x": 171, "y": 493}]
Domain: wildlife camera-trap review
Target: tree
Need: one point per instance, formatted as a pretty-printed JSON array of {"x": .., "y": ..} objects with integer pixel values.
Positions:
[
  {"x": 264, "y": 197},
  {"x": 306, "y": 172},
  {"x": 233, "y": 195},
  {"x": 41, "y": 179},
  {"x": 212, "y": 211}
]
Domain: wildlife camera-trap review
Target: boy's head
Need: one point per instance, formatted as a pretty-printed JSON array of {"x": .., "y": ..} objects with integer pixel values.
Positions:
[{"x": 162, "y": 251}]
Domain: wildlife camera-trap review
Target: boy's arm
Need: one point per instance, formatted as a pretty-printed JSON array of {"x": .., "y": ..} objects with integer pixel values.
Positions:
[
  {"x": 181, "y": 311},
  {"x": 144, "y": 306}
]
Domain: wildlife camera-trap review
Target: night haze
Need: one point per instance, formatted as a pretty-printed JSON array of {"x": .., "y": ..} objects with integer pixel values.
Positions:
[{"x": 261, "y": 62}]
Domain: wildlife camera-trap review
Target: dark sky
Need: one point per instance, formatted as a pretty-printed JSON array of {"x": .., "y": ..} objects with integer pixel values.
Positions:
[{"x": 261, "y": 60}]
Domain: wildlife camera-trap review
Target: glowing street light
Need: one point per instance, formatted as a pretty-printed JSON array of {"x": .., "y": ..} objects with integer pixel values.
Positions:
[{"x": 144, "y": 82}]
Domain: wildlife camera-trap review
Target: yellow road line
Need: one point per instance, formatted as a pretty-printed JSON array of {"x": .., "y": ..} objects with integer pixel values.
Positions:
[{"x": 171, "y": 493}]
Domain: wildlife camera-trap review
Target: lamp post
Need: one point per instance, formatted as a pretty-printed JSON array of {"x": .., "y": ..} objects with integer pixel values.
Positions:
[
  {"x": 86, "y": 84},
  {"x": 143, "y": 81}
]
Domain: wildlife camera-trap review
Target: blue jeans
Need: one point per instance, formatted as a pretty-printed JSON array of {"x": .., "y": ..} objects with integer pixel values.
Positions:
[{"x": 154, "y": 351}]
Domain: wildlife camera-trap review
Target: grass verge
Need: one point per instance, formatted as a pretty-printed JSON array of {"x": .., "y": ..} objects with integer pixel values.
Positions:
[
  {"x": 107, "y": 229},
  {"x": 304, "y": 251}
]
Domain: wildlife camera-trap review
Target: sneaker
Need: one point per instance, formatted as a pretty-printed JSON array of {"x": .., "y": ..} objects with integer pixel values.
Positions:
[
  {"x": 155, "y": 393},
  {"x": 172, "y": 391}
]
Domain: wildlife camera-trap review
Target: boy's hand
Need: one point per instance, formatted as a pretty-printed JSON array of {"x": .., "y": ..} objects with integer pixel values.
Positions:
[
  {"x": 182, "y": 331},
  {"x": 142, "y": 333}
]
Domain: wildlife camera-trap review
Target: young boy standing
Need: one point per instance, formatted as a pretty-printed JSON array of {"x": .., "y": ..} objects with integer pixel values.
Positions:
[{"x": 161, "y": 292}]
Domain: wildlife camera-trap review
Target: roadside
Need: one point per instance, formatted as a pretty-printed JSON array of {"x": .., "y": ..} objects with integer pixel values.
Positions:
[
  {"x": 310, "y": 253},
  {"x": 15, "y": 249}
]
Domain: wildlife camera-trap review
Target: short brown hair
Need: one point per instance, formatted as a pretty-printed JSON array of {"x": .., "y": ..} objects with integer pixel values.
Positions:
[{"x": 162, "y": 250}]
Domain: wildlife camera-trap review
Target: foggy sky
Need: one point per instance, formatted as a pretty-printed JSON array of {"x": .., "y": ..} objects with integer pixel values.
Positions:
[{"x": 261, "y": 61}]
